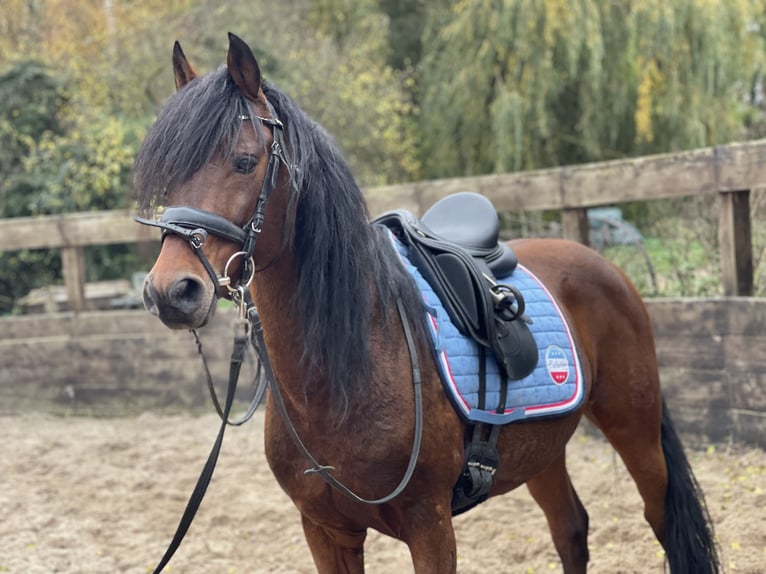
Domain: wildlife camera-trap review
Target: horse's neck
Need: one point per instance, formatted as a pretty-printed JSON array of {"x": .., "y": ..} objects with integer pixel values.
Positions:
[
  {"x": 281, "y": 316},
  {"x": 274, "y": 296}
]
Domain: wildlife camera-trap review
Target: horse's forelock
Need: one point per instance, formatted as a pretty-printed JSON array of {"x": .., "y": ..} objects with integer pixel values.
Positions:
[{"x": 201, "y": 119}]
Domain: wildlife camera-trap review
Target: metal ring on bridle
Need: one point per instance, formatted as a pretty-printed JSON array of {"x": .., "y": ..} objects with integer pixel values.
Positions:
[{"x": 226, "y": 280}]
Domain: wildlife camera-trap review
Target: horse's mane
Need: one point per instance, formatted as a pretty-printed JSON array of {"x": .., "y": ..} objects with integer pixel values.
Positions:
[{"x": 345, "y": 266}]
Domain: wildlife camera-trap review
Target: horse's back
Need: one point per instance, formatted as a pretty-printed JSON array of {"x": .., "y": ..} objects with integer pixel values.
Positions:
[
  {"x": 612, "y": 329},
  {"x": 597, "y": 297},
  {"x": 574, "y": 271}
]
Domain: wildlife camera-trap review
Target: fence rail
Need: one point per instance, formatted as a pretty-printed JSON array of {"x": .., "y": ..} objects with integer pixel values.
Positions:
[{"x": 729, "y": 171}]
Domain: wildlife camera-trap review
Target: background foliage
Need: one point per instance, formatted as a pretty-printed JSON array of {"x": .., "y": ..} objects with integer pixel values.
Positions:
[{"x": 411, "y": 89}]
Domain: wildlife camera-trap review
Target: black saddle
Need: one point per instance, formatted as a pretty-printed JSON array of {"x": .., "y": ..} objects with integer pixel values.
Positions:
[{"x": 455, "y": 247}]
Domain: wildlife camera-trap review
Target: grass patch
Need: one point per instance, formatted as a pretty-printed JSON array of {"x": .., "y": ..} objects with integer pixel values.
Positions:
[{"x": 663, "y": 267}]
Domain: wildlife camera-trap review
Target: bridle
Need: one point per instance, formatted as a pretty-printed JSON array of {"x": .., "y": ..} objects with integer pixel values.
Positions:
[{"x": 194, "y": 225}]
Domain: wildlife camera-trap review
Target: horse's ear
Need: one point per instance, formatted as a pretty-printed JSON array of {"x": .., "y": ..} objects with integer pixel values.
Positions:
[
  {"x": 243, "y": 68},
  {"x": 181, "y": 67}
]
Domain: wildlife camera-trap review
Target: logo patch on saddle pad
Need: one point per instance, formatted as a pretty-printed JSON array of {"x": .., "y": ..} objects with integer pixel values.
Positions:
[
  {"x": 557, "y": 364},
  {"x": 555, "y": 387}
]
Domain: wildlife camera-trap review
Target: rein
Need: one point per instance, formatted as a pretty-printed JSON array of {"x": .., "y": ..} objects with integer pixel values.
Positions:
[
  {"x": 237, "y": 357},
  {"x": 324, "y": 471},
  {"x": 194, "y": 225},
  {"x": 260, "y": 383}
]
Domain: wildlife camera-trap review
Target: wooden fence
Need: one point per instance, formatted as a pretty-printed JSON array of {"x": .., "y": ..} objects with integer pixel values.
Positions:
[
  {"x": 107, "y": 363},
  {"x": 711, "y": 352},
  {"x": 729, "y": 171}
]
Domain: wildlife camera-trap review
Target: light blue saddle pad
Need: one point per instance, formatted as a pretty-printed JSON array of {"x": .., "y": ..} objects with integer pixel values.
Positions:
[{"x": 555, "y": 387}]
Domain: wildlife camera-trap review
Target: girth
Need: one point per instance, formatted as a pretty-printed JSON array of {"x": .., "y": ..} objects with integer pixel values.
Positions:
[{"x": 455, "y": 246}]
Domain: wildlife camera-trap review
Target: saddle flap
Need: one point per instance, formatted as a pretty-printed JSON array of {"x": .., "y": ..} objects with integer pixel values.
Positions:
[
  {"x": 453, "y": 281},
  {"x": 518, "y": 355},
  {"x": 462, "y": 282}
]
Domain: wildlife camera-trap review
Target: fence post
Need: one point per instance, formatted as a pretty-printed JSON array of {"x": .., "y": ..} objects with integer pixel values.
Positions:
[
  {"x": 735, "y": 243},
  {"x": 574, "y": 224},
  {"x": 73, "y": 269}
]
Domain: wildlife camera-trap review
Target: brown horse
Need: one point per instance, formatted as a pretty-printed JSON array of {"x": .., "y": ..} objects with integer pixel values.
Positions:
[{"x": 250, "y": 165}]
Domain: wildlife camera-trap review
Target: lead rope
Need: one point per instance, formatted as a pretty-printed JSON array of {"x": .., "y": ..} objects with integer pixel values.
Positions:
[{"x": 237, "y": 356}]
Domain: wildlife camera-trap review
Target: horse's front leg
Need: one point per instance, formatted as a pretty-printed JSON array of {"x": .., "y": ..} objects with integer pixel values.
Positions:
[
  {"x": 335, "y": 551},
  {"x": 431, "y": 540}
]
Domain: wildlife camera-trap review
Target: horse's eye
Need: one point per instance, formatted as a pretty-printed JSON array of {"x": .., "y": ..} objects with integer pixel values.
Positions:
[{"x": 245, "y": 163}]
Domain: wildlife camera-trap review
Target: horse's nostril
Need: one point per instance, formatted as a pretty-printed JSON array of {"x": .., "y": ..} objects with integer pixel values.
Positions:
[
  {"x": 187, "y": 294},
  {"x": 150, "y": 298}
]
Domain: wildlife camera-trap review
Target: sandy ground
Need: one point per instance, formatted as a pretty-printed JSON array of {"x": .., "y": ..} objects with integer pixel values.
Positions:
[{"x": 104, "y": 496}]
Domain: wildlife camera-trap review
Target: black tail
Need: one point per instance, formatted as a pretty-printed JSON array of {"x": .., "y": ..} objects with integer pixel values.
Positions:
[{"x": 689, "y": 541}]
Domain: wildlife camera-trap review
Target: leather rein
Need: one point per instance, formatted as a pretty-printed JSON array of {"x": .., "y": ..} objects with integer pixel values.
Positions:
[{"x": 194, "y": 226}]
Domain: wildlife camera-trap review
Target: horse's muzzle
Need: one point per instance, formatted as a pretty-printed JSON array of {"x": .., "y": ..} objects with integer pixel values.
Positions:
[{"x": 185, "y": 303}]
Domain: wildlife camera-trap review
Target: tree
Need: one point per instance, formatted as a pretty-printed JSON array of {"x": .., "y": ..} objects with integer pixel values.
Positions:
[
  {"x": 53, "y": 162},
  {"x": 522, "y": 84},
  {"x": 331, "y": 56},
  {"x": 31, "y": 103},
  {"x": 31, "y": 100},
  {"x": 114, "y": 58}
]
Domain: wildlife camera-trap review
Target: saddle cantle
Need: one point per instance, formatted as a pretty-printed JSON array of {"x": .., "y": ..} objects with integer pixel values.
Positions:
[{"x": 455, "y": 247}]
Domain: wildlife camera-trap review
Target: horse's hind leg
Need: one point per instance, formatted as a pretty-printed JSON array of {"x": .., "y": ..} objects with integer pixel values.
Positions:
[
  {"x": 567, "y": 518},
  {"x": 643, "y": 435},
  {"x": 335, "y": 551},
  {"x": 634, "y": 432}
]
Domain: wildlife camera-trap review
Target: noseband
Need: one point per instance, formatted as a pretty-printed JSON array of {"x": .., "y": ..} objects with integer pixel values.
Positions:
[{"x": 194, "y": 225}]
